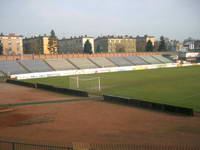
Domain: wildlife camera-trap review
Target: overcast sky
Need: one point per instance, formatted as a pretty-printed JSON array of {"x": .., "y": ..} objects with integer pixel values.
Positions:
[{"x": 176, "y": 19}]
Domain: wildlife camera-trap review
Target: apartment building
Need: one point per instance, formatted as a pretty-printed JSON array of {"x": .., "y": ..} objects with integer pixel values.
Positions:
[
  {"x": 141, "y": 42},
  {"x": 113, "y": 44},
  {"x": 75, "y": 44},
  {"x": 39, "y": 45},
  {"x": 11, "y": 44}
]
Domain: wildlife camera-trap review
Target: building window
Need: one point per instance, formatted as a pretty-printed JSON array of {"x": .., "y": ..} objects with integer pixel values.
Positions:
[{"x": 18, "y": 49}]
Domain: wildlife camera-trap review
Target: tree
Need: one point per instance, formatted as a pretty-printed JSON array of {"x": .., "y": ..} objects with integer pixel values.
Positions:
[
  {"x": 1, "y": 48},
  {"x": 162, "y": 46},
  {"x": 98, "y": 49},
  {"x": 88, "y": 47},
  {"x": 53, "y": 43},
  {"x": 149, "y": 46},
  {"x": 53, "y": 33}
]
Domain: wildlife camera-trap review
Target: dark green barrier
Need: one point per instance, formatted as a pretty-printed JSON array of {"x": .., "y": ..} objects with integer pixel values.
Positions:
[
  {"x": 150, "y": 105},
  {"x": 21, "y": 83},
  {"x": 62, "y": 90},
  {"x": 50, "y": 88}
]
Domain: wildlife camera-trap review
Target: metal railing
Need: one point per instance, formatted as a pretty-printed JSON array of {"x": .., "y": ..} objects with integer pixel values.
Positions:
[
  {"x": 134, "y": 147},
  {"x": 7, "y": 145}
]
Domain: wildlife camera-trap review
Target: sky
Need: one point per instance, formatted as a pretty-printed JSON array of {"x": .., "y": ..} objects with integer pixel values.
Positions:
[{"x": 175, "y": 19}]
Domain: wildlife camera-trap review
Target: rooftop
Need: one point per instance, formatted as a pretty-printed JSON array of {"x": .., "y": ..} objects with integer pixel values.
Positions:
[
  {"x": 10, "y": 35},
  {"x": 116, "y": 37}
]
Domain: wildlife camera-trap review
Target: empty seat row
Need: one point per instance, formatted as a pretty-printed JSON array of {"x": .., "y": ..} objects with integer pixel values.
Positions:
[
  {"x": 102, "y": 62},
  {"x": 82, "y": 63},
  {"x": 12, "y": 67},
  {"x": 162, "y": 59},
  {"x": 60, "y": 64},
  {"x": 36, "y": 65},
  {"x": 136, "y": 60},
  {"x": 151, "y": 60},
  {"x": 120, "y": 61}
]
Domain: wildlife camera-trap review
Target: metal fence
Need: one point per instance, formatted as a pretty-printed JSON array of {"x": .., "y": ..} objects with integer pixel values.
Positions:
[
  {"x": 6, "y": 145},
  {"x": 134, "y": 147}
]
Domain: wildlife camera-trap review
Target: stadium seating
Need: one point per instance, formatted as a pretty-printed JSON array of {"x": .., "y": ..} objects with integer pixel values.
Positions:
[
  {"x": 120, "y": 61},
  {"x": 82, "y": 63},
  {"x": 150, "y": 59},
  {"x": 171, "y": 57},
  {"x": 12, "y": 67},
  {"x": 36, "y": 65},
  {"x": 162, "y": 59},
  {"x": 60, "y": 64},
  {"x": 102, "y": 62},
  {"x": 40, "y": 65},
  {"x": 136, "y": 60}
]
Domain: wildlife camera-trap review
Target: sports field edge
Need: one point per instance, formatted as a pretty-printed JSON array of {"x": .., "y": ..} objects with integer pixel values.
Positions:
[{"x": 174, "y": 86}]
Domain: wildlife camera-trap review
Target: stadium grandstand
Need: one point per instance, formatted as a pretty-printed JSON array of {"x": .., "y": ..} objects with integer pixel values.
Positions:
[
  {"x": 136, "y": 60},
  {"x": 150, "y": 60},
  {"x": 82, "y": 63},
  {"x": 49, "y": 63},
  {"x": 60, "y": 64},
  {"x": 119, "y": 61}
]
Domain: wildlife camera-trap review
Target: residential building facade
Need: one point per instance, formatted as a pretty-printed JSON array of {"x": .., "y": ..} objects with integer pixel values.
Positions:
[
  {"x": 142, "y": 41},
  {"x": 192, "y": 46},
  {"x": 75, "y": 45},
  {"x": 172, "y": 45},
  {"x": 197, "y": 45},
  {"x": 112, "y": 44},
  {"x": 37, "y": 45},
  {"x": 11, "y": 44}
]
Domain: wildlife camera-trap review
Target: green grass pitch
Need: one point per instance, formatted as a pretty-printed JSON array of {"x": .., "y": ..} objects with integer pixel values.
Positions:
[{"x": 174, "y": 86}]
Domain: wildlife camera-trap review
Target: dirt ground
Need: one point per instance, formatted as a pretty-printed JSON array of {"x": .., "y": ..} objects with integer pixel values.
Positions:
[
  {"x": 91, "y": 122},
  {"x": 10, "y": 94}
]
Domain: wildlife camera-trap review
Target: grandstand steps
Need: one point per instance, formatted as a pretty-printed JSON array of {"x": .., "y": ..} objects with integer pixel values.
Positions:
[
  {"x": 73, "y": 64},
  {"x": 170, "y": 57},
  {"x": 145, "y": 60},
  {"x": 36, "y": 65},
  {"x": 24, "y": 67},
  {"x": 129, "y": 60},
  {"x": 120, "y": 61},
  {"x": 162, "y": 59},
  {"x": 49, "y": 65},
  {"x": 159, "y": 60},
  {"x": 82, "y": 63},
  {"x": 102, "y": 62},
  {"x": 112, "y": 61},
  {"x": 12, "y": 67},
  {"x": 94, "y": 63}
]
